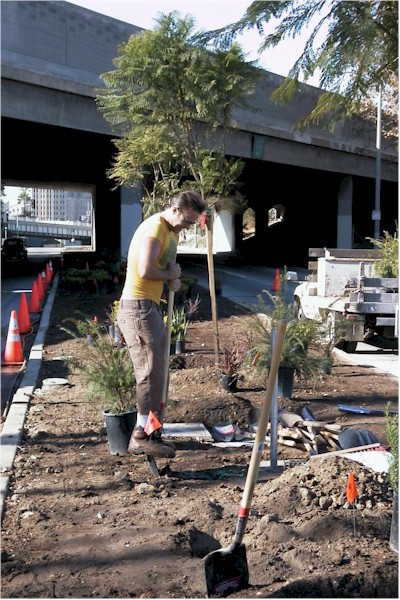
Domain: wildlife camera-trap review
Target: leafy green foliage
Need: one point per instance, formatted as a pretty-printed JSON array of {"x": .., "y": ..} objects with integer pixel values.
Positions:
[
  {"x": 106, "y": 368},
  {"x": 301, "y": 335},
  {"x": 179, "y": 324},
  {"x": 388, "y": 264},
  {"x": 392, "y": 433},
  {"x": 358, "y": 54},
  {"x": 166, "y": 98}
]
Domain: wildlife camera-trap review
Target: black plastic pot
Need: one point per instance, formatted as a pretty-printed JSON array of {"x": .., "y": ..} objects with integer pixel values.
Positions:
[
  {"x": 229, "y": 382},
  {"x": 285, "y": 382},
  {"x": 180, "y": 347},
  {"x": 119, "y": 427}
]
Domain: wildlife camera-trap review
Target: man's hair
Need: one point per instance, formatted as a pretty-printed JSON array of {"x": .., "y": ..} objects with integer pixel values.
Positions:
[{"x": 189, "y": 200}]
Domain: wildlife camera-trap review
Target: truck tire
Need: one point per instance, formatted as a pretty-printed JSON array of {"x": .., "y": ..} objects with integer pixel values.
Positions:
[
  {"x": 298, "y": 308},
  {"x": 331, "y": 332},
  {"x": 347, "y": 346}
]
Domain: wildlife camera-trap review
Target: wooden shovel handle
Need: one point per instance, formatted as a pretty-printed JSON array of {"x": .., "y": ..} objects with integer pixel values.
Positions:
[{"x": 259, "y": 442}]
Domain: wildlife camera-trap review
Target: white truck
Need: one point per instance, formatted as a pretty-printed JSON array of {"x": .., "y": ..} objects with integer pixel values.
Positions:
[{"x": 343, "y": 292}]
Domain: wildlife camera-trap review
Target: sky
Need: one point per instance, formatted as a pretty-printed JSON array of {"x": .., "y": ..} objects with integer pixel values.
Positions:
[{"x": 208, "y": 15}]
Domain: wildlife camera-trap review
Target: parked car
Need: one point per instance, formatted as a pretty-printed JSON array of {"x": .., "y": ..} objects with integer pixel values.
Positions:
[{"x": 14, "y": 252}]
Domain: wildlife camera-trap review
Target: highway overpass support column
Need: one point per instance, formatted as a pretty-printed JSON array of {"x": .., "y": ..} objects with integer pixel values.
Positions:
[
  {"x": 131, "y": 216},
  {"x": 345, "y": 211}
]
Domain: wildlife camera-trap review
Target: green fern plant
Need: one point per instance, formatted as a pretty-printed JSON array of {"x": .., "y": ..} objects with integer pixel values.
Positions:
[
  {"x": 106, "y": 367},
  {"x": 388, "y": 264},
  {"x": 392, "y": 433},
  {"x": 301, "y": 336}
]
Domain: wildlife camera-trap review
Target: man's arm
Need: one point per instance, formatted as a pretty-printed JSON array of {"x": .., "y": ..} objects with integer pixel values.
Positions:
[{"x": 147, "y": 262}]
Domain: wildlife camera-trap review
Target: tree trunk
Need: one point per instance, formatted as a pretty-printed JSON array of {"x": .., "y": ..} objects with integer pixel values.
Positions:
[{"x": 211, "y": 283}]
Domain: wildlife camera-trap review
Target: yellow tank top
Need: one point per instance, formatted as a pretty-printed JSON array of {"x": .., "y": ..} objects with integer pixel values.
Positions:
[{"x": 139, "y": 287}]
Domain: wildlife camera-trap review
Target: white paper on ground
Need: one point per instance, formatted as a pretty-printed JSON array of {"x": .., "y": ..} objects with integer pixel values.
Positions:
[{"x": 376, "y": 460}]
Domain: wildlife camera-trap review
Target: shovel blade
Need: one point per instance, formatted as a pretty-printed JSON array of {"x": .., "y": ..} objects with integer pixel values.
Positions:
[{"x": 226, "y": 571}]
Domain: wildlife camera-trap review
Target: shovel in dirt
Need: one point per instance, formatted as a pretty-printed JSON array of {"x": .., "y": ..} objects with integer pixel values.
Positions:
[{"x": 226, "y": 569}]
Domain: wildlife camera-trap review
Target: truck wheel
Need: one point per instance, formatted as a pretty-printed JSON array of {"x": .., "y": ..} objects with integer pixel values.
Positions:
[
  {"x": 330, "y": 327},
  {"x": 298, "y": 309},
  {"x": 348, "y": 346}
]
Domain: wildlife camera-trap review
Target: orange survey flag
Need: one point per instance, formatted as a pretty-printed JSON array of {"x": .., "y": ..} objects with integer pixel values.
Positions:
[
  {"x": 152, "y": 423},
  {"x": 351, "y": 489}
]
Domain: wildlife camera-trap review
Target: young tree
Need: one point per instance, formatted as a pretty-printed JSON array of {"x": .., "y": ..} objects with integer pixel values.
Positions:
[
  {"x": 171, "y": 102},
  {"x": 359, "y": 53}
]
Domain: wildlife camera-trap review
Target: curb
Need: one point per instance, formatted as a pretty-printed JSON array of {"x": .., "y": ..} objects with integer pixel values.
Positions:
[{"x": 12, "y": 431}]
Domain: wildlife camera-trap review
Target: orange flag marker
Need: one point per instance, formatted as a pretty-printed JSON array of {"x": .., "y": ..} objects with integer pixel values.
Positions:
[
  {"x": 351, "y": 489},
  {"x": 152, "y": 423}
]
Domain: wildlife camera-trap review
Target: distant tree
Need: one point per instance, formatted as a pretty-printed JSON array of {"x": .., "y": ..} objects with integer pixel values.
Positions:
[
  {"x": 25, "y": 201},
  {"x": 171, "y": 102},
  {"x": 358, "y": 56}
]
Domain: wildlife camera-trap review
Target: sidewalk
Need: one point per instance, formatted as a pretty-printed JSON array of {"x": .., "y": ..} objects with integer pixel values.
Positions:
[{"x": 11, "y": 435}]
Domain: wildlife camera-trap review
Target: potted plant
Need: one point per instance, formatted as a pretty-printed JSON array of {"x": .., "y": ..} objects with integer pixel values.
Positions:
[
  {"x": 231, "y": 359},
  {"x": 392, "y": 434},
  {"x": 179, "y": 327},
  {"x": 300, "y": 356},
  {"x": 108, "y": 372},
  {"x": 192, "y": 306}
]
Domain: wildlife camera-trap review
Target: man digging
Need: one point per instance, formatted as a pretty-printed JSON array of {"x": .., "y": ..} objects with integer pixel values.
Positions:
[{"x": 151, "y": 264}]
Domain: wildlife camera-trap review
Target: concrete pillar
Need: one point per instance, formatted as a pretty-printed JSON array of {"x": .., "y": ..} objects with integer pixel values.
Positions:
[
  {"x": 223, "y": 234},
  {"x": 345, "y": 213},
  {"x": 131, "y": 216}
]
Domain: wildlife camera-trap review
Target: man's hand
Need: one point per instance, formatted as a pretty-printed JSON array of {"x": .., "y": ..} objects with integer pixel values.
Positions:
[{"x": 174, "y": 285}]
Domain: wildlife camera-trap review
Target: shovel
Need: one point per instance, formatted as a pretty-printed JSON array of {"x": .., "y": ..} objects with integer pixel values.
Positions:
[
  {"x": 226, "y": 569},
  {"x": 171, "y": 297}
]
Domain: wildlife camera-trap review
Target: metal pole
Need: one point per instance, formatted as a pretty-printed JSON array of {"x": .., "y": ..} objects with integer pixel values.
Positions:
[
  {"x": 274, "y": 417},
  {"x": 376, "y": 216}
]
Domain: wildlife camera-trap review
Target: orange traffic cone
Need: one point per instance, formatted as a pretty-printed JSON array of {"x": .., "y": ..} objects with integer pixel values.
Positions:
[
  {"x": 24, "y": 322},
  {"x": 34, "y": 304},
  {"x": 13, "y": 352},
  {"x": 51, "y": 268},
  {"x": 276, "y": 286},
  {"x": 44, "y": 282},
  {"x": 40, "y": 288},
  {"x": 48, "y": 274}
]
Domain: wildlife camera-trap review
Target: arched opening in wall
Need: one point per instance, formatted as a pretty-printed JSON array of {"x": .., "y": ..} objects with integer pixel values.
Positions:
[
  {"x": 276, "y": 214},
  {"x": 56, "y": 217},
  {"x": 249, "y": 223}
]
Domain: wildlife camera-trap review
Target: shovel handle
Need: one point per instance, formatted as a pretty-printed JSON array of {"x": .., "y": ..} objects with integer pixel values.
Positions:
[{"x": 258, "y": 446}]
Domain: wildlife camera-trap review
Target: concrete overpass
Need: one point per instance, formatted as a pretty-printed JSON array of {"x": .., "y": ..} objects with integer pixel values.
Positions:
[{"x": 53, "y": 54}]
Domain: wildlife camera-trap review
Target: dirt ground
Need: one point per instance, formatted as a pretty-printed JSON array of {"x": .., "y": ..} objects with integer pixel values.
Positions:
[{"x": 80, "y": 522}]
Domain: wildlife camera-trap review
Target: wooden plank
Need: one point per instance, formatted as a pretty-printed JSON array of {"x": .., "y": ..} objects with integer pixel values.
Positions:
[
  {"x": 312, "y": 265},
  {"x": 348, "y": 450}
]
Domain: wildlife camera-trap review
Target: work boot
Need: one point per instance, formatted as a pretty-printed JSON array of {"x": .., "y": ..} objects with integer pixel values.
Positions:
[{"x": 153, "y": 444}]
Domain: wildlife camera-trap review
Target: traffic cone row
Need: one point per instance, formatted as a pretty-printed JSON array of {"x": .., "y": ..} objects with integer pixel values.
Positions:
[{"x": 13, "y": 354}]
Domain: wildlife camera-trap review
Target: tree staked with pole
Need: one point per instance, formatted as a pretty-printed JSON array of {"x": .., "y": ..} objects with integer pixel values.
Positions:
[{"x": 170, "y": 100}]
